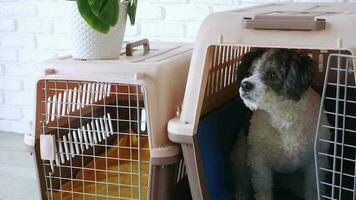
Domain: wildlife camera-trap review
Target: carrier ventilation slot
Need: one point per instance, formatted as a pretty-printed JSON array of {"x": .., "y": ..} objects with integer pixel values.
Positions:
[
  {"x": 223, "y": 67},
  {"x": 222, "y": 81},
  {"x": 75, "y": 142},
  {"x": 71, "y": 100}
]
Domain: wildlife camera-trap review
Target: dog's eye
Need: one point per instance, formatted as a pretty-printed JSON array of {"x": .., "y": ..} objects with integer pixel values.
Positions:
[{"x": 273, "y": 75}]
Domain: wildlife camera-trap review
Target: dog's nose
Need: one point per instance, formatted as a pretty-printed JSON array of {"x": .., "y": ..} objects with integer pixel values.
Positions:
[{"x": 246, "y": 86}]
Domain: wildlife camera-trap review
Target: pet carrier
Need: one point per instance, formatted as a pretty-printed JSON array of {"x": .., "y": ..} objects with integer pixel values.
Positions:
[
  {"x": 100, "y": 126},
  {"x": 212, "y": 113}
]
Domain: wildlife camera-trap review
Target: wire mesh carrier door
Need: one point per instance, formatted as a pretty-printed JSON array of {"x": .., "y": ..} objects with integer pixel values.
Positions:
[
  {"x": 94, "y": 142},
  {"x": 336, "y": 165}
]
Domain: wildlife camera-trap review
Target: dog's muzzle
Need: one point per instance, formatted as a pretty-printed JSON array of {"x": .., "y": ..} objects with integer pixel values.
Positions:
[
  {"x": 248, "y": 89},
  {"x": 247, "y": 86}
]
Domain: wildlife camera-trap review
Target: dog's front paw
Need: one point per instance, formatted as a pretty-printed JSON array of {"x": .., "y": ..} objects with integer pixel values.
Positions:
[{"x": 263, "y": 196}]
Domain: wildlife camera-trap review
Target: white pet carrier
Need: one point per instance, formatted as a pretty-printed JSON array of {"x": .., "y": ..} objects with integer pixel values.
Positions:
[
  {"x": 212, "y": 113},
  {"x": 101, "y": 126}
]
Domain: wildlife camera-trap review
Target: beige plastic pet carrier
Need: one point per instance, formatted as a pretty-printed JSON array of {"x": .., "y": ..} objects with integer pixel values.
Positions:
[
  {"x": 101, "y": 126},
  {"x": 212, "y": 112}
]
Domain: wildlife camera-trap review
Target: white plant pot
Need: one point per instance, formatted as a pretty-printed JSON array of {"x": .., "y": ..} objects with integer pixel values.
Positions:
[{"x": 90, "y": 44}]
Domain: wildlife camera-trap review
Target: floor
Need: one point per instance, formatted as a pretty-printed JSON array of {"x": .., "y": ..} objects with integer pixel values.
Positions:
[{"x": 17, "y": 171}]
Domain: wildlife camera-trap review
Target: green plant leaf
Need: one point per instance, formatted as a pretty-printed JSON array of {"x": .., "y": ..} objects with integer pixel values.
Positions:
[
  {"x": 106, "y": 10},
  {"x": 92, "y": 20},
  {"x": 131, "y": 11},
  {"x": 110, "y": 12},
  {"x": 96, "y": 6}
]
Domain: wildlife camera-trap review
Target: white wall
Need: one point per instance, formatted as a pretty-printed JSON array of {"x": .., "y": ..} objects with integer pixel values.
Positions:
[{"x": 34, "y": 30}]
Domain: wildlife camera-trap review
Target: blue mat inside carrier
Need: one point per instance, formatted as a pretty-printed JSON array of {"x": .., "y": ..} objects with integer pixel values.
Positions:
[{"x": 217, "y": 132}]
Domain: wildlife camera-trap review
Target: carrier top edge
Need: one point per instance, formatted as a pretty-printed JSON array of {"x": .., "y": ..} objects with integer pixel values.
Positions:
[
  {"x": 159, "y": 56},
  {"x": 229, "y": 27},
  {"x": 340, "y": 8}
]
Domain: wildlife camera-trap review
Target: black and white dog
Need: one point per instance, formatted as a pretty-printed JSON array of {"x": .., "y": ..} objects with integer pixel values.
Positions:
[{"x": 276, "y": 86}]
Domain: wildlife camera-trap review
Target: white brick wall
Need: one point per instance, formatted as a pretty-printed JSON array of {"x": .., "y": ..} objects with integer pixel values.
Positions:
[{"x": 34, "y": 30}]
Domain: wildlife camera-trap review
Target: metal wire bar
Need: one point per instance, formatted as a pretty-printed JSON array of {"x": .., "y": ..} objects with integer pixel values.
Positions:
[
  {"x": 46, "y": 106},
  {"x": 130, "y": 129},
  {"x": 340, "y": 115},
  {"x": 329, "y": 170},
  {"x": 118, "y": 128},
  {"x": 106, "y": 152},
  {"x": 51, "y": 194},
  {"x": 94, "y": 146},
  {"x": 326, "y": 197},
  {"x": 336, "y": 125},
  {"x": 94, "y": 118},
  {"x": 336, "y": 186},
  {"x": 343, "y": 128},
  {"x": 337, "y": 143},
  {"x": 341, "y": 100},
  {"x": 343, "y": 70},
  {"x": 354, "y": 192},
  {"x": 341, "y": 85},
  {"x": 82, "y": 157},
  {"x": 101, "y": 170},
  {"x": 336, "y": 157},
  {"x": 89, "y": 90},
  {"x": 99, "y": 182},
  {"x": 96, "y": 195},
  {"x": 332, "y": 127},
  {"x": 139, "y": 143}
]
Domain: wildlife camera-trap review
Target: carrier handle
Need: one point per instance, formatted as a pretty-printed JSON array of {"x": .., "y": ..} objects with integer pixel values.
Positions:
[
  {"x": 284, "y": 22},
  {"x": 130, "y": 46}
]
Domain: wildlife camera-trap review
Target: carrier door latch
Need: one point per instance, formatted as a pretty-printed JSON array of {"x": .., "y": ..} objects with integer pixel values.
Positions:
[{"x": 47, "y": 147}]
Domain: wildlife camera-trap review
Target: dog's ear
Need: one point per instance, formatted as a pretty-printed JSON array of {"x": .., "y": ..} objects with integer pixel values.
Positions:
[
  {"x": 246, "y": 62},
  {"x": 299, "y": 77}
]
